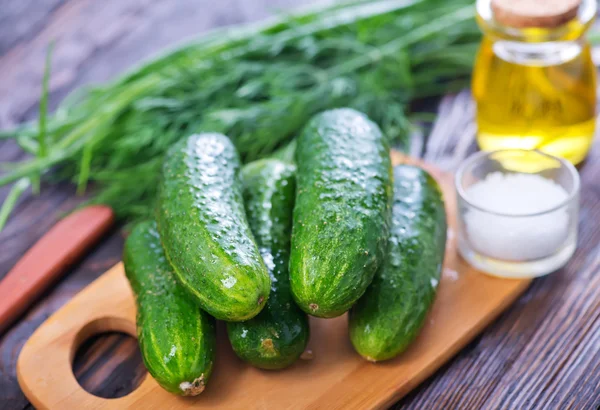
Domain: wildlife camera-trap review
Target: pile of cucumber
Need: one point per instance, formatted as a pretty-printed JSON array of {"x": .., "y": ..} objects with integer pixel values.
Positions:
[{"x": 264, "y": 246}]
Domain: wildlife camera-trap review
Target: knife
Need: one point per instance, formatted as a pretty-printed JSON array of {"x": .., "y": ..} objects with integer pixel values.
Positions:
[{"x": 48, "y": 259}]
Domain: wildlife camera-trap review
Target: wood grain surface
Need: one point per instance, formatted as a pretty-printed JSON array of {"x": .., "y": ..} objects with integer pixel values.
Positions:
[{"x": 544, "y": 352}]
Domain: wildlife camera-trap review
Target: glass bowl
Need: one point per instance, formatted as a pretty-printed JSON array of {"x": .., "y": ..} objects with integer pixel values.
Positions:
[{"x": 517, "y": 212}]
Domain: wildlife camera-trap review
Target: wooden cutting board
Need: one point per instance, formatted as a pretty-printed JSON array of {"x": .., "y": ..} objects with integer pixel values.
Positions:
[{"x": 336, "y": 377}]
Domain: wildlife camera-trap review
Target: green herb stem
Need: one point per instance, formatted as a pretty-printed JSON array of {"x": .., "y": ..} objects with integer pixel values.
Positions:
[{"x": 11, "y": 200}]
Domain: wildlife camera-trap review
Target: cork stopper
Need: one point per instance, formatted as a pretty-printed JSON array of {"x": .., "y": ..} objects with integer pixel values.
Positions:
[{"x": 534, "y": 13}]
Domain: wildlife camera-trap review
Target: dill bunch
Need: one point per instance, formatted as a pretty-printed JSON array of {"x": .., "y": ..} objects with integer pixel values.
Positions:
[{"x": 258, "y": 84}]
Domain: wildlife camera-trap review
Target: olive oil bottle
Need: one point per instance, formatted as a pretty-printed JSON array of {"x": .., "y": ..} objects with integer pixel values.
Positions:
[{"x": 534, "y": 81}]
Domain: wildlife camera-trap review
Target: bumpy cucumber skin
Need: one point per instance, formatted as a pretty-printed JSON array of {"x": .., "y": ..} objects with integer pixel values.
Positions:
[
  {"x": 392, "y": 311},
  {"x": 278, "y": 335},
  {"x": 176, "y": 338},
  {"x": 204, "y": 230},
  {"x": 342, "y": 212}
]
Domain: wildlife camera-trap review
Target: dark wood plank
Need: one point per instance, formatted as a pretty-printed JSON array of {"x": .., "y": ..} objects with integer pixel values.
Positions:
[
  {"x": 109, "y": 365},
  {"x": 22, "y": 19}
]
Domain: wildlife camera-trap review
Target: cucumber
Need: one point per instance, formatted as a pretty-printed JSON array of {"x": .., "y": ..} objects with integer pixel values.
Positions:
[
  {"x": 204, "y": 231},
  {"x": 176, "y": 338},
  {"x": 390, "y": 314},
  {"x": 342, "y": 212},
  {"x": 278, "y": 335}
]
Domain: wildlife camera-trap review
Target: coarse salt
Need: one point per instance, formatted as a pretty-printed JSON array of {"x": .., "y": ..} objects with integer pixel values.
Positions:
[{"x": 519, "y": 228}]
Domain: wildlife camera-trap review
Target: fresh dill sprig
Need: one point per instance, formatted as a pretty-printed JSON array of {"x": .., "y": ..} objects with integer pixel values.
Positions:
[
  {"x": 259, "y": 85},
  {"x": 11, "y": 200}
]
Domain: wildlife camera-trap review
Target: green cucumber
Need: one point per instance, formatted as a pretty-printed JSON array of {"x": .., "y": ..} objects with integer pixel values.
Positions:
[
  {"x": 392, "y": 311},
  {"x": 278, "y": 335},
  {"x": 176, "y": 338},
  {"x": 204, "y": 231},
  {"x": 342, "y": 212}
]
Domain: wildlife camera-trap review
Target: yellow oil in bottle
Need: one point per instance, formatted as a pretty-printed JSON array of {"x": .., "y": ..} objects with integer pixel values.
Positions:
[{"x": 536, "y": 90}]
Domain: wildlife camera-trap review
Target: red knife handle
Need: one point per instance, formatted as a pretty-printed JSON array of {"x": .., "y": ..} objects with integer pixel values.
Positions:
[{"x": 44, "y": 263}]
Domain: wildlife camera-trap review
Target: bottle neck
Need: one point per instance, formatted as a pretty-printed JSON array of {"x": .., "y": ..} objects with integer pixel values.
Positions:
[
  {"x": 571, "y": 31},
  {"x": 544, "y": 54}
]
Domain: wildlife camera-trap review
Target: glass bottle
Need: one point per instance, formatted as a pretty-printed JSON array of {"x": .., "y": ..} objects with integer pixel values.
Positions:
[{"x": 534, "y": 81}]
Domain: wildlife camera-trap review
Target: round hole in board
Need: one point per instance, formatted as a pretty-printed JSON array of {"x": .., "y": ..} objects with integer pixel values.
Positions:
[{"x": 106, "y": 359}]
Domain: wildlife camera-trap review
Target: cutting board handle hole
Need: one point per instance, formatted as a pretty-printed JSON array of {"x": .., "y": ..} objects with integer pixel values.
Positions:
[{"x": 106, "y": 360}]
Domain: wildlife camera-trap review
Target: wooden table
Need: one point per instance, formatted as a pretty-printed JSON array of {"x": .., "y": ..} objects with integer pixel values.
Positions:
[{"x": 544, "y": 352}]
